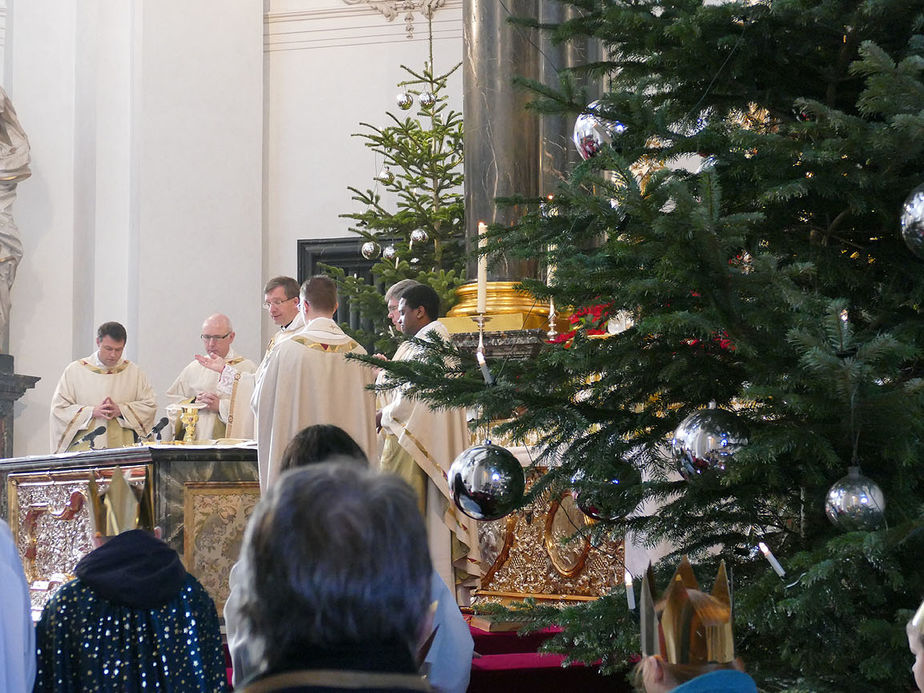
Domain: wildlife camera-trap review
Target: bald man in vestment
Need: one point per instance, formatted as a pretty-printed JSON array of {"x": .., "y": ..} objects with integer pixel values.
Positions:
[
  {"x": 102, "y": 390},
  {"x": 305, "y": 379},
  {"x": 197, "y": 384}
]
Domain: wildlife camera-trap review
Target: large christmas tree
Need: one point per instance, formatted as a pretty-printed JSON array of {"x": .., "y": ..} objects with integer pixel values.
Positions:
[{"x": 761, "y": 264}]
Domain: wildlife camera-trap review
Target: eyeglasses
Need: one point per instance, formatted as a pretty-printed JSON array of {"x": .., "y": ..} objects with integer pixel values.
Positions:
[
  {"x": 214, "y": 337},
  {"x": 278, "y": 302}
]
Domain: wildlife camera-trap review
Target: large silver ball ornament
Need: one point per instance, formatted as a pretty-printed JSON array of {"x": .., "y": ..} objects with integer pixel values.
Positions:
[
  {"x": 427, "y": 99},
  {"x": 912, "y": 221},
  {"x": 419, "y": 236},
  {"x": 385, "y": 175},
  {"x": 389, "y": 252},
  {"x": 370, "y": 250},
  {"x": 592, "y": 132},
  {"x": 487, "y": 482},
  {"x": 855, "y": 503},
  {"x": 707, "y": 440},
  {"x": 404, "y": 100}
]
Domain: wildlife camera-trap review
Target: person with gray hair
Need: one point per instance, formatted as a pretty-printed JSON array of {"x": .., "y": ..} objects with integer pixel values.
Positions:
[
  {"x": 335, "y": 579},
  {"x": 448, "y": 661}
]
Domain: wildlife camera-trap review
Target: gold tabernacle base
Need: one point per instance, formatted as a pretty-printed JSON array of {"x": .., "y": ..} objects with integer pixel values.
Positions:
[{"x": 508, "y": 306}]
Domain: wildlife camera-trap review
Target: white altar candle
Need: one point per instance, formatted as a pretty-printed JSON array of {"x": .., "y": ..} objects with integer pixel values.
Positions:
[
  {"x": 482, "y": 270},
  {"x": 630, "y": 591}
]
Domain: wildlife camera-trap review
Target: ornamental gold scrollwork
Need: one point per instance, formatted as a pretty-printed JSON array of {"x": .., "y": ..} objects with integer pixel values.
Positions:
[{"x": 567, "y": 552}]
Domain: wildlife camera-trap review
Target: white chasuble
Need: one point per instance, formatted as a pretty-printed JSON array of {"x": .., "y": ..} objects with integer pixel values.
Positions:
[
  {"x": 433, "y": 439},
  {"x": 238, "y": 385},
  {"x": 196, "y": 378},
  {"x": 307, "y": 380},
  {"x": 85, "y": 384}
]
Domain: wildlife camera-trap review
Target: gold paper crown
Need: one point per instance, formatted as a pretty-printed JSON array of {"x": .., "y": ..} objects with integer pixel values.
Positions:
[
  {"x": 917, "y": 623},
  {"x": 687, "y": 626},
  {"x": 120, "y": 509}
]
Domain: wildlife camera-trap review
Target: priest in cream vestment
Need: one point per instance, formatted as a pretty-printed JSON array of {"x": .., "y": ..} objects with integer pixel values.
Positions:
[
  {"x": 102, "y": 389},
  {"x": 280, "y": 299},
  {"x": 199, "y": 384},
  {"x": 421, "y": 444},
  {"x": 306, "y": 380}
]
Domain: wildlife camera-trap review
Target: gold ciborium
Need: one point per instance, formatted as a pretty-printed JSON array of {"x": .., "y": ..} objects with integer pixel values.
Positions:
[{"x": 190, "y": 417}]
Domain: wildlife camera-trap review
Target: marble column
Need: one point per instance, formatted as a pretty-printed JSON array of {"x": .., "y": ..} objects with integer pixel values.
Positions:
[
  {"x": 501, "y": 136},
  {"x": 510, "y": 150}
]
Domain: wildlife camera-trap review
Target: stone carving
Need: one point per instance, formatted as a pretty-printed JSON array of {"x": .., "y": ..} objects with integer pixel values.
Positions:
[{"x": 14, "y": 167}]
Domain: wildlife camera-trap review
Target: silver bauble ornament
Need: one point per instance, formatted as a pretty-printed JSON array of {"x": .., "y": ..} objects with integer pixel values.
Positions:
[
  {"x": 855, "y": 503},
  {"x": 487, "y": 482},
  {"x": 419, "y": 236},
  {"x": 707, "y": 439},
  {"x": 389, "y": 252},
  {"x": 598, "y": 496},
  {"x": 427, "y": 99},
  {"x": 592, "y": 132},
  {"x": 370, "y": 250},
  {"x": 385, "y": 175},
  {"x": 404, "y": 100},
  {"x": 912, "y": 221}
]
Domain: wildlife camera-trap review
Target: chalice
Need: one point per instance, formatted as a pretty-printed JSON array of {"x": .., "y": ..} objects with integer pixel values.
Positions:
[{"x": 190, "y": 417}]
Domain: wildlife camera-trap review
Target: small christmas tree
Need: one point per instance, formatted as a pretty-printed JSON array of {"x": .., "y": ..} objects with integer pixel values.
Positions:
[
  {"x": 740, "y": 203},
  {"x": 423, "y": 238}
]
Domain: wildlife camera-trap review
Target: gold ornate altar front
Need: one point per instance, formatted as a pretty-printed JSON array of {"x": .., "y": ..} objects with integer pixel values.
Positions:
[{"x": 539, "y": 553}]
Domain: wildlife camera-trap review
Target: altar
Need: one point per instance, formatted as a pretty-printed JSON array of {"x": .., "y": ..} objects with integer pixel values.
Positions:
[{"x": 203, "y": 496}]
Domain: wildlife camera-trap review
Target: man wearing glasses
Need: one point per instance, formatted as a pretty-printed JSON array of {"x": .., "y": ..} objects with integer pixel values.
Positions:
[
  {"x": 305, "y": 379},
  {"x": 196, "y": 383},
  {"x": 280, "y": 298}
]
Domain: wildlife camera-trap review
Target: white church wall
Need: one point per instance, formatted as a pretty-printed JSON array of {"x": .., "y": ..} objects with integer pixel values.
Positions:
[
  {"x": 39, "y": 76},
  {"x": 331, "y": 66},
  {"x": 145, "y": 204}
]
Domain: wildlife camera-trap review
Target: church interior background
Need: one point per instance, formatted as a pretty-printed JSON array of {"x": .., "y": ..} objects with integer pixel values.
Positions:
[{"x": 180, "y": 150}]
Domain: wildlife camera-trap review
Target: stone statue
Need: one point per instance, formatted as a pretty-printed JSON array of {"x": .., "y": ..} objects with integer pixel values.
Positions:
[{"x": 14, "y": 167}]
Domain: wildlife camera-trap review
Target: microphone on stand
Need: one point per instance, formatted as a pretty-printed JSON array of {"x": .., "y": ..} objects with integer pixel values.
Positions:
[
  {"x": 91, "y": 436},
  {"x": 158, "y": 427}
]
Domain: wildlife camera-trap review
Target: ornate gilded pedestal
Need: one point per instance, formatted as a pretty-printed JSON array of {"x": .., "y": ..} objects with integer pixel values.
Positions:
[
  {"x": 533, "y": 553},
  {"x": 202, "y": 496}
]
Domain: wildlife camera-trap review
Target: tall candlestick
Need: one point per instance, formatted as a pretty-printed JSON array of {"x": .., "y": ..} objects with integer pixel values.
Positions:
[{"x": 482, "y": 269}]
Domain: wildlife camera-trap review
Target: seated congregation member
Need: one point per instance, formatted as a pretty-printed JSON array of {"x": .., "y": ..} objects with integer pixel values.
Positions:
[
  {"x": 196, "y": 383},
  {"x": 335, "y": 582},
  {"x": 104, "y": 391},
  {"x": 17, "y": 636},
  {"x": 448, "y": 660},
  {"x": 133, "y": 619},
  {"x": 915, "y": 631},
  {"x": 695, "y": 631}
]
